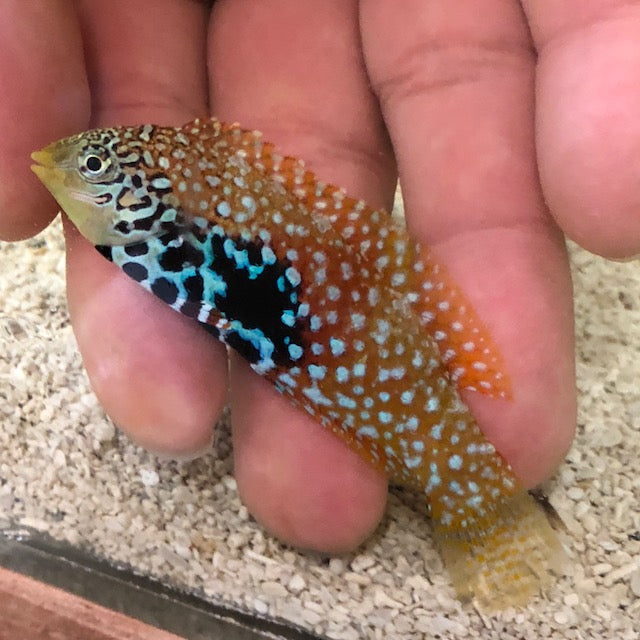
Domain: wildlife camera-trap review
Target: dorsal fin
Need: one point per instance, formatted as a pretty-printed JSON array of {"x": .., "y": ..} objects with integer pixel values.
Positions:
[{"x": 411, "y": 270}]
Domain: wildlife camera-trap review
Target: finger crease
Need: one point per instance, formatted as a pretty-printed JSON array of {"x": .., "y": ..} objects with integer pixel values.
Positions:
[{"x": 431, "y": 67}]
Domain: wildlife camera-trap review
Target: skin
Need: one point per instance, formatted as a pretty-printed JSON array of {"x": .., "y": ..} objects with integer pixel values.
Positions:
[{"x": 443, "y": 94}]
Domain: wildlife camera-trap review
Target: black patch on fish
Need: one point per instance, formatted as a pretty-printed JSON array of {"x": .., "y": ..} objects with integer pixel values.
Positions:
[
  {"x": 104, "y": 198},
  {"x": 177, "y": 258},
  {"x": 194, "y": 286},
  {"x": 136, "y": 250},
  {"x": 210, "y": 329},
  {"x": 245, "y": 348},
  {"x": 105, "y": 251},
  {"x": 136, "y": 271},
  {"x": 123, "y": 227},
  {"x": 136, "y": 180},
  {"x": 165, "y": 290},
  {"x": 257, "y": 294},
  {"x": 170, "y": 236},
  {"x": 192, "y": 309},
  {"x": 145, "y": 203},
  {"x": 143, "y": 224}
]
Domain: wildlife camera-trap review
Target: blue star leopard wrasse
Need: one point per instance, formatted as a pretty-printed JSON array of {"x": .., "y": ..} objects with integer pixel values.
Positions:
[{"x": 334, "y": 303}]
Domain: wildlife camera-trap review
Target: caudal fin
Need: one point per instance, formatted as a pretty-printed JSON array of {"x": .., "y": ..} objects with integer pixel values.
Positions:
[{"x": 509, "y": 562}]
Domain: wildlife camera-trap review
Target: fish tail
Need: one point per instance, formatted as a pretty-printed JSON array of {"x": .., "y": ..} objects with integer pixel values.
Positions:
[{"x": 508, "y": 561}]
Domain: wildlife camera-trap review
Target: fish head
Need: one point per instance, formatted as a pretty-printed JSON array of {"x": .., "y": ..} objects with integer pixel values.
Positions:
[{"x": 107, "y": 182}]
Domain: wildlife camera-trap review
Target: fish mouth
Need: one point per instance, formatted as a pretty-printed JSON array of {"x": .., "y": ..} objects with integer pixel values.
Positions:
[
  {"x": 44, "y": 158},
  {"x": 47, "y": 169}
]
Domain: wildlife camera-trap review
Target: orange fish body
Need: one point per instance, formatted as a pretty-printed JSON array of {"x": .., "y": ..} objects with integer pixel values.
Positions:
[{"x": 331, "y": 301}]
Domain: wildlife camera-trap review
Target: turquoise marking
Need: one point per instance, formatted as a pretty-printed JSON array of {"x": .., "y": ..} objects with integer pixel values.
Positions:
[
  {"x": 345, "y": 401},
  {"x": 303, "y": 309},
  {"x": 317, "y": 372},
  {"x": 248, "y": 203},
  {"x": 455, "y": 462},
  {"x": 288, "y": 380},
  {"x": 474, "y": 501},
  {"x": 406, "y": 397},
  {"x": 436, "y": 431},
  {"x": 293, "y": 276},
  {"x": 433, "y": 404},
  {"x": 256, "y": 337},
  {"x": 456, "y": 488},
  {"x": 295, "y": 351},
  {"x": 412, "y": 423},
  {"x": 368, "y": 431},
  {"x": 333, "y": 293},
  {"x": 268, "y": 256},
  {"x": 337, "y": 346},
  {"x": 224, "y": 209},
  {"x": 434, "y": 481},
  {"x": 315, "y": 395},
  {"x": 288, "y": 318}
]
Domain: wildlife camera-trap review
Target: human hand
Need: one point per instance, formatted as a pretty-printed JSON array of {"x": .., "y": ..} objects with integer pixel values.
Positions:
[{"x": 456, "y": 92}]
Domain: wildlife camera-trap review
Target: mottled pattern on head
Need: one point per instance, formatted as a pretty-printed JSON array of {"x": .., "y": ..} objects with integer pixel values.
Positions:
[{"x": 330, "y": 300}]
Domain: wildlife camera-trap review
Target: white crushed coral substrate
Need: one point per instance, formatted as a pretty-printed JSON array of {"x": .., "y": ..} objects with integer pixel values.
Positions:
[{"x": 65, "y": 469}]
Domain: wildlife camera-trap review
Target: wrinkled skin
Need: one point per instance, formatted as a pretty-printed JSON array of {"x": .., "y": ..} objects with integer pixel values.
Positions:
[{"x": 442, "y": 94}]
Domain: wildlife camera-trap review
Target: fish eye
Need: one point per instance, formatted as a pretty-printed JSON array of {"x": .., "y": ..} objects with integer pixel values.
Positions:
[{"x": 95, "y": 164}]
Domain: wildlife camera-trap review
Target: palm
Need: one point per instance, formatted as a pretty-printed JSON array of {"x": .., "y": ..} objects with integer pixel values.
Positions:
[{"x": 456, "y": 91}]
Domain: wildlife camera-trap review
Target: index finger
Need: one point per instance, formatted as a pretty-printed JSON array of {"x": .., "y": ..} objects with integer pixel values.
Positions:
[{"x": 44, "y": 97}]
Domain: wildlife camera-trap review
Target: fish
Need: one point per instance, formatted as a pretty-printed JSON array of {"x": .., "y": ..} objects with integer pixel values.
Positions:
[{"x": 333, "y": 302}]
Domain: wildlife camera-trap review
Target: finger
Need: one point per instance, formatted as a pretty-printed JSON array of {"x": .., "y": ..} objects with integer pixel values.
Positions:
[
  {"x": 44, "y": 97},
  {"x": 456, "y": 87},
  {"x": 159, "y": 379},
  {"x": 299, "y": 481},
  {"x": 293, "y": 71},
  {"x": 159, "y": 376},
  {"x": 587, "y": 115}
]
